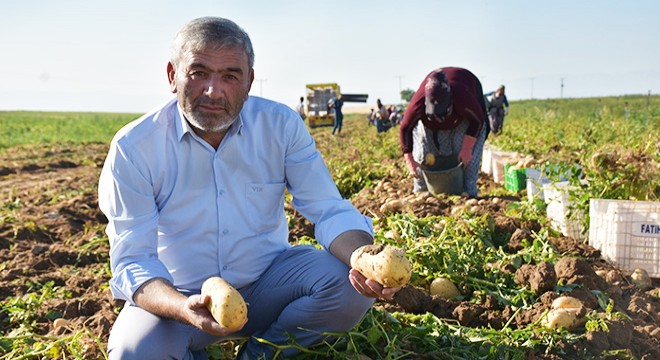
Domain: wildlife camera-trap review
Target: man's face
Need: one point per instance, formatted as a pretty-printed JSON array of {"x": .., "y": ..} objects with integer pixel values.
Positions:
[{"x": 211, "y": 86}]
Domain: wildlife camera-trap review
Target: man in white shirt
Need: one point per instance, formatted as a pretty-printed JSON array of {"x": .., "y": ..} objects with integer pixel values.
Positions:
[{"x": 195, "y": 189}]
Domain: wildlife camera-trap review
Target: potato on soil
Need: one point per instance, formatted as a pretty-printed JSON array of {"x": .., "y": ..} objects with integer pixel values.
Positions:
[
  {"x": 641, "y": 279},
  {"x": 443, "y": 288},
  {"x": 563, "y": 313},
  {"x": 384, "y": 264},
  {"x": 560, "y": 318},
  {"x": 227, "y": 305},
  {"x": 566, "y": 302},
  {"x": 60, "y": 323}
]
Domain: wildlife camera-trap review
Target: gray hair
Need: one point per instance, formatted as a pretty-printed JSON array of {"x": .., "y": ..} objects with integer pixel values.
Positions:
[{"x": 214, "y": 32}]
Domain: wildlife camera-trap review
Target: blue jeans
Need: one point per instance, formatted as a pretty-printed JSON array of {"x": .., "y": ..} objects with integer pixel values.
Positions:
[
  {"x": 339, "y": 119},
  {"x": 305, "y": 292}
]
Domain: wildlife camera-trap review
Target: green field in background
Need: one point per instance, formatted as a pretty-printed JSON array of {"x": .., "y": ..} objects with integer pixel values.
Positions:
[
  {"x": 40, "y": 127},
  {"x": 532, "y": 127}
]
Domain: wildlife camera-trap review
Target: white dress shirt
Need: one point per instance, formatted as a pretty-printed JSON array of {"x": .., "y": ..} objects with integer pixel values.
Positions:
[{"x": 180, "y": 210}]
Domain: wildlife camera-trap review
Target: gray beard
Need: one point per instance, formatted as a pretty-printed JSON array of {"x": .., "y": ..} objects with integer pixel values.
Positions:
[{"x": 208, "y": 125}]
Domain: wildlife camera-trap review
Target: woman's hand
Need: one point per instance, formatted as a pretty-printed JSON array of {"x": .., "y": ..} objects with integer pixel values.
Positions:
[
  {"x": 466, "y": 150},
  {"x": 413, "y": 165}
]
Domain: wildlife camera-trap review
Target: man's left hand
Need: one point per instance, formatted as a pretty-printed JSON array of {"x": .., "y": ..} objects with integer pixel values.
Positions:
[{"x": 370, "y": 288}]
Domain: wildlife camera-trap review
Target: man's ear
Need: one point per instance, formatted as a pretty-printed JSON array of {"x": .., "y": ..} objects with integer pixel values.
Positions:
[
  {"x": 171, "y": 72},
  {"x": 249, "y": 84}
]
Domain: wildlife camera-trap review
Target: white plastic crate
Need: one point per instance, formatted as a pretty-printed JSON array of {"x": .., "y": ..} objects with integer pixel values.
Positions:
[
  {"x": 535, "y": 182},
  {"x": 486, "y": 160},
  {"x": 556, "y": 196},
  {"x": 627, "y": 233},
  {"x": 498, "y": 160}
]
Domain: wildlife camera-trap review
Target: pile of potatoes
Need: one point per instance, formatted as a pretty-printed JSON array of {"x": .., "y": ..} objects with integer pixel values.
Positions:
[{"x": 399, "y": 200}]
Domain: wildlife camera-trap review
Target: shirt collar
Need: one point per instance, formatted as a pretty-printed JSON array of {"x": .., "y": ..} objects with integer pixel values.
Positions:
[{"x": 182, "y": 126}]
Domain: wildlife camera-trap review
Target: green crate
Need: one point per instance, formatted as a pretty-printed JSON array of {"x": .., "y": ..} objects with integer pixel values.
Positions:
[{"x": 515, "y": 179}]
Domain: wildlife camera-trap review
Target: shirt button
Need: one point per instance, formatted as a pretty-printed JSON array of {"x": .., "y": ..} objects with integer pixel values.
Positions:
[
  {"x": 224, "y": 267},
  {"x": 221, "y": 192},
  {"x": 225, "y": 232}
]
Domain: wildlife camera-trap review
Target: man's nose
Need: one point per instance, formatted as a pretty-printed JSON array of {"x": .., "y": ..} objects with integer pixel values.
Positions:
[{"x": 214, "y": 87}]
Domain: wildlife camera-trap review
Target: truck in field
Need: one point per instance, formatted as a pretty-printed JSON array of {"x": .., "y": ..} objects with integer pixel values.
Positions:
[{"x": 319, "y": 98}]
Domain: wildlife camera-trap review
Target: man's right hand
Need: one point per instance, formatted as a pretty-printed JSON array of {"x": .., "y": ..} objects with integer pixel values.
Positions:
[
  {"x": 199, "y": 316},
  {"x": 159, "y": 297},
  {"x": 413, "y": 165}
]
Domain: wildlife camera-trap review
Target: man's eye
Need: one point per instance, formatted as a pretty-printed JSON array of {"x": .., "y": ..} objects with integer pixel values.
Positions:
[{"x": 198, "y": 74}]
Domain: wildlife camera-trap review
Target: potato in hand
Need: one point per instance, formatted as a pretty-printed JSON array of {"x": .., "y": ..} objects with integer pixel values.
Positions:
[
  {"x": 384, "y": 264},
  {"x": 227, "y": 305}
]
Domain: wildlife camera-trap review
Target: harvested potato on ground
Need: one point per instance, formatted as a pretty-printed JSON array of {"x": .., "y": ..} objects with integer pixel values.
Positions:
[
  {"x": 602, "y": 273},
  {"x": 566, "y": 302},
  {"x": 471, "y": 202},
  {"x": 444, "y": 288},
  {"x": 384, "y": 264},
  {"x": 227, "y": 305},
  {"x": 61, "y": 323},
  {"x": 560, "y": 318},
  {"x": 393, "y": 205},
  {"x": 563, "y": 313},
  {"x": 394, "y": 235},
  {"x": 641, "y": 279}
]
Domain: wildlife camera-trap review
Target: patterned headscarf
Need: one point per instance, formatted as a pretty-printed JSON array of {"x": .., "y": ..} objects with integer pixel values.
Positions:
[{"x": 438, "y": 99}]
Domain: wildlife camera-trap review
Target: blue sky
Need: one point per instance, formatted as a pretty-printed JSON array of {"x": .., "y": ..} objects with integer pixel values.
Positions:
[{"x": 75, "y": 55}]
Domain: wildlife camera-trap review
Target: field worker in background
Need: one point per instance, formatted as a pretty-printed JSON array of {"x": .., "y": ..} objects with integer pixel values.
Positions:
[
  {"x": 498, "y": 108},
  {"x": 380, "y": 117},
  {"x": 336, "y": 105},
  {"x": 195, "y": 189},
  {"x": 301, "y": 108},
  {"x": 446, "y": 117}
]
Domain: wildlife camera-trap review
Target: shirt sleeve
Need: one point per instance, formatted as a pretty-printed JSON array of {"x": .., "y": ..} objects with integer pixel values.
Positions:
[
  {"x": 314, "y": 192},
  {"x": 472, "y": 110},
  {"x": 126, "y": 198},
  {"x": 413, "y": 114}
]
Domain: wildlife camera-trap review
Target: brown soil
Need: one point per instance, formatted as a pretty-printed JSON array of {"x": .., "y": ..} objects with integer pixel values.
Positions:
[{"x": 51, "y": 225}]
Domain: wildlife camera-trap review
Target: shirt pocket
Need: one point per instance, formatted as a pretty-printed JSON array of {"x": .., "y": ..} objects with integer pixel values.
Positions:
[{"x": 264, "y": 205}]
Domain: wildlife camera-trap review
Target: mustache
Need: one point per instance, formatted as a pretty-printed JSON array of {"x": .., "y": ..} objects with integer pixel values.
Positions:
[{"x": 212, "y": 102}]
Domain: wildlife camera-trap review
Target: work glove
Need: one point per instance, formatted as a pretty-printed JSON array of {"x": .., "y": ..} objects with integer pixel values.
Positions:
[
  {"x": 413, "y": 166},
  {"x": 466, "y": 150}
]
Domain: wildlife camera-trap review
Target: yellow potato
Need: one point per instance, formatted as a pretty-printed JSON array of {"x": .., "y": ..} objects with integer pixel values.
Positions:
[
  {"x": 560, "y": 318},
  {"x": 429, "y": 159},
  {"x": 641, "y": 279},
  {"x": 471, "y": 202},
  {"x": 566, "y": 302},
  {"x": 444, "y": 288},
  {"x": 384, "y": 264},
  {"x": 227, "y": 305},
  {"x": 60, "y": 322}
]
